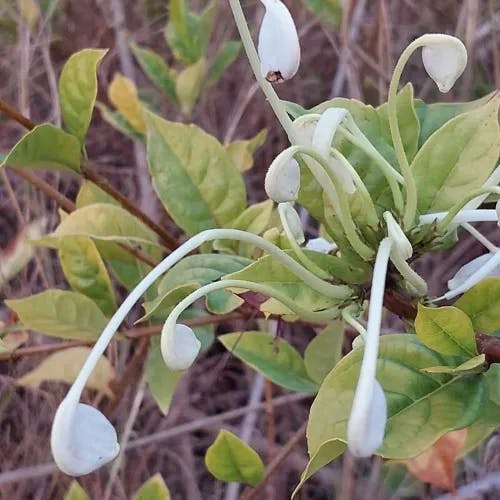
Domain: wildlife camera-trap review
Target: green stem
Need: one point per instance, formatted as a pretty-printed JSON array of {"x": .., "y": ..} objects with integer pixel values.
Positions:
[
  {"x": 372, "y": 216},
  {"x": 410, "y": 185},
  {"x": 392, "y": 176},
  {"x": 455, "y": 209},
  {"x": 253, "y": 58},
  {"x": 351, "y": 320},
  {"x": 413, "y": 278},
  {"x": 337, "y": 197},
  {"x": 306, "y": 261}
]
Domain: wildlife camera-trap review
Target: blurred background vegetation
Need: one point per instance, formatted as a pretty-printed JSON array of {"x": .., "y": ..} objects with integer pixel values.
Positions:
[{"x": 189, "y": 66}]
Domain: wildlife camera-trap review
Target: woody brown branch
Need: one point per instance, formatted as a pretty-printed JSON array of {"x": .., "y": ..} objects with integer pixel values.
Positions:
[{"x": 90, "y": 174}]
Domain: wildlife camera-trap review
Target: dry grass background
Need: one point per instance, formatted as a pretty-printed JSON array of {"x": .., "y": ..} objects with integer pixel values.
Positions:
[{"x": 354, "y": 60}]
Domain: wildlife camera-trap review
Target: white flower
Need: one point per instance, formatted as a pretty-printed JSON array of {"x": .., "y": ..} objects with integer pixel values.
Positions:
[
  {"x": 444, "y": 58},
  {"x": 497, "y": 207},
  {"x": 322, "y": 140},
  {"x": 179, "y": 346},
  {"x": 320, "y": 245},
  {"x": 401, "y": 244},
  {"x": 293, "y": 221},
  {"x": 82, "y": 438},
  {"x": 279, "y": 49},
  {"x": 466, "y": 271},
  {"x": 366, "y": 428},
  {"x": 282, "y": 182}
]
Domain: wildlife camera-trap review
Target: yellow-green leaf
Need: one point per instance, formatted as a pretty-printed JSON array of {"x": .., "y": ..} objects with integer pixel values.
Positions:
[
  {"x": 324, "y": 351},
  {"x": 76, "y": 492},
  {"x": 85, "y": 271},
  {"x": 442, "y": 167},
  {"x": 64, "y": 366},
  {"x": 156, "y": 69},
  {"x": 276, "y": 359},
  {"x": 480, "y": 303},
  {"x": 477, "y": 364},
  {"x": 59, "y": 313},
  {"x": 225, "y": 57},
  {"x": 189, "y": 84},
  {"x": 89, "y": 194},
  {"x": 447, "y": 330},
  {"x": 193, "y": 176},
  {"x": 153, "y": 489},
  {"x": 161, "y": 380},
  {"x": 122, "y": 92},
  {"x": 230, "y": 459},
  {"x": 242, "y": 151},
  {"x": 78, "y": 90},
  {"x": 45, "y": 147}
]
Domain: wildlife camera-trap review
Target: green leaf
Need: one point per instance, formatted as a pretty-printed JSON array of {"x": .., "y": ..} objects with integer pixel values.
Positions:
[
  {"x": 434, "y": 116},
  {"x": 189, "y": 274},
  {"x": 327, "y": 452},
  {"x": 119, "y": 122},
  {"x": 477, "y": 364},
  {"x": 276, "y": 359},
  {"x": 78, "y": 90},
  {"x": 447, "y": 330},
  {"x": 442, "y": 167},
  {"x": 227, "y": 54},
  {"x": 193, "y": 176},
  {"x": 189, "y": 84},
  {"x": 122, "y": 92},
  {"x": 58, "y": 313},
  {"x": 162, "y": 381},
  {"x": 46, "y": 147},
  {"x": 255, "y": 219},
  {"x": 157, "y": 70},
  {"x": 76, "y": 492},
  {"x": 267, "y": 270},
  {"x": 324, "y": 351},
  {"x": 492, "y": 377},
  {"x": 230, "y": 459},
  {"x": 241, "y": 152},
  {"x": 480, "y": 303},
  {"x": 153, "y": 489},
  {"x": 421, "y": 407},
  {"x": 89, "y": 194},
  {"x": 85, "y": 271},
  {"x": 327, "y": 11},
  {"x": 64, "y": 366}
]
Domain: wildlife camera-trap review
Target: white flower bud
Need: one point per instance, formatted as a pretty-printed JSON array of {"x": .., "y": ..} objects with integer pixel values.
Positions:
[
  {"x": 444, "y": 58},
  {"x": 498, "y": 212},
  {"x": 179, "y": 346},
  {"x": 282, "y": 180},
  {"x": 279, "y": 49},
  {"x": 401, "y": 244},
  {"x": 366, "y": 426},
  {"x": 320, "y": 245},
  {"x": 82, "y": 439},
  {"x": 466, "y": 271},
  {"x": 293, "y": 221}
]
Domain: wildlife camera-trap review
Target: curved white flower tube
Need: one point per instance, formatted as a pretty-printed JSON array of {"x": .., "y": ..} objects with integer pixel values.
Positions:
[
  {"x": 469, "y": 269},
  {"x": 172, "y": 331},
  {"x": 444, "y": 58},
  {"x": 366, "y": 424},
  {"x": 478, "y": 215},
  {"x": 324, "y": 134},
  {"x": 83, "y": 439},
  {"x": 278, "y": 47}
]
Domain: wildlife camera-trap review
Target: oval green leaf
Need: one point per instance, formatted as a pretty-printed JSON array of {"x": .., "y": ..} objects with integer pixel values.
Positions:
[
  {"x": 153, "y": 489},
  {"x": 276, "y": 359},
  {"x": 230, "y": 459},
  {"x": 59, "y": 313},
  {"x": 45, "y": 147},
  {"x": 447, "y": 330},
  {"x": 78, "y": 90},
  {"x": 193, "y": 176}
]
